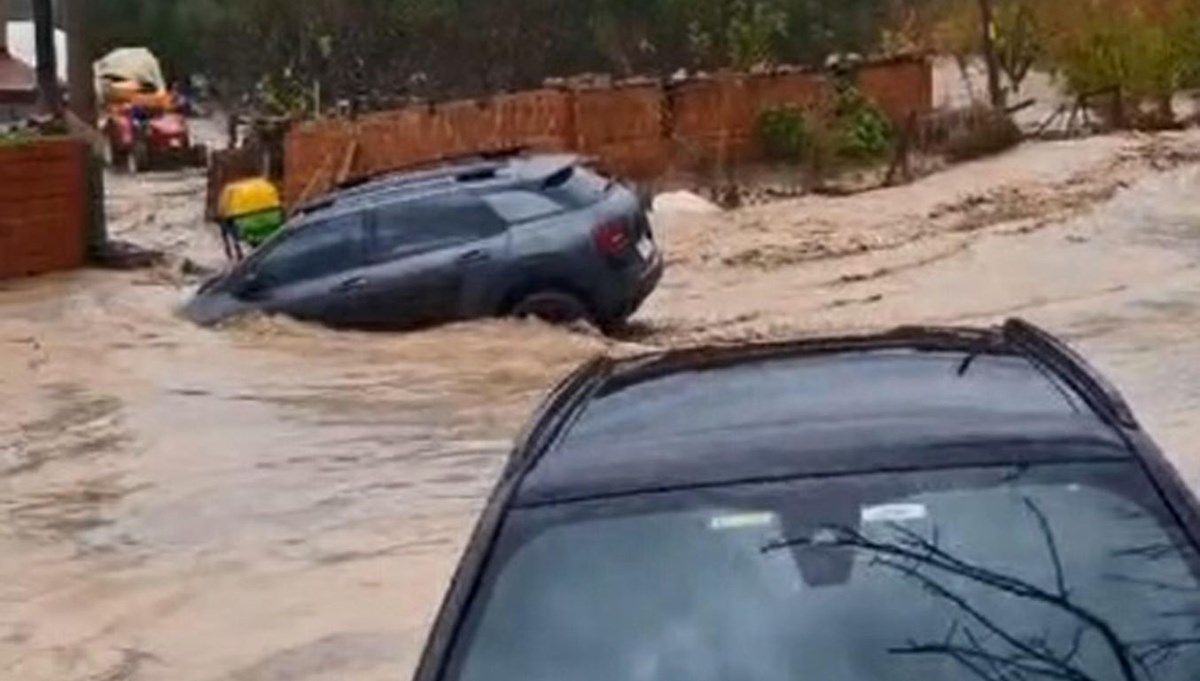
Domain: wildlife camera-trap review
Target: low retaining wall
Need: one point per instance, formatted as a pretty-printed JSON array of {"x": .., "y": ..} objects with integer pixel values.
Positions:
[
  {"x": 43, "y": 206},
  {"x": 639, "y": 130}
]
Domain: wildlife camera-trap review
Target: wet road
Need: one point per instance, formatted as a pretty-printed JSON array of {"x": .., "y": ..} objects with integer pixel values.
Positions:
[{"x": 276, "y": 502}]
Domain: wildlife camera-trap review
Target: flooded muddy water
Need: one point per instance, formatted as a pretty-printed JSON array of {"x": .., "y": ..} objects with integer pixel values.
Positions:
[
  {"x": 273, "y": 501},
  {"x": 260, "y": 502}
]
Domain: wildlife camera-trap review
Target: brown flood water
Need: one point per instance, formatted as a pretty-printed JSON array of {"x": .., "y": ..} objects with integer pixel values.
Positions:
[
  {"x": 277, "y": 502},
  {"x": 270, "y": 501}
]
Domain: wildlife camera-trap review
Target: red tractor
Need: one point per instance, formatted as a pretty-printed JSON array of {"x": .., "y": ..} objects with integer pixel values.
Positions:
[
  {"x": 142, "y": 139},
  {"x": 142, "y": 120}
]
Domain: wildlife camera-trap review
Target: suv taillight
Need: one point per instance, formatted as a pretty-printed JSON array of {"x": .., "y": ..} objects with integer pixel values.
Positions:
[{"x": 612, "y": 238}]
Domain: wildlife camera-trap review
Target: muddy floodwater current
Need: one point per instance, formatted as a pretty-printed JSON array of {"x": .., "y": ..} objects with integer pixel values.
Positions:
[{"x": 272, "y": 501}]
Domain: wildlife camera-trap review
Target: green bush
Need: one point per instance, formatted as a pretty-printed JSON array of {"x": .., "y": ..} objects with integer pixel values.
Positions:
[
  {"x": 786, "y": 133},
  {"x": 864, "y": 133},
  {"x": 854, "y": 131},
  {"x": 17, "y": 137}
]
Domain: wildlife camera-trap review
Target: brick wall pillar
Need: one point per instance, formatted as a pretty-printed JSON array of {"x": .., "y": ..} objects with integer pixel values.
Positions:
[{"x": 43, "y": 207}]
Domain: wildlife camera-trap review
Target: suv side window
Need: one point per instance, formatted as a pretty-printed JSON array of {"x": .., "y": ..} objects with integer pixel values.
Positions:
[
  {"x": 416, "y": 226},
  {"x": 522, "y": 206},
  {"x": 315, "y": 251}
]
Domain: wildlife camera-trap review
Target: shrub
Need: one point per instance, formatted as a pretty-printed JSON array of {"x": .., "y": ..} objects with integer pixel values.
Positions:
[
  {"x": 864, "y": 133},
  {"x": 786, "y": 133},
  {"x": 852, "y": 130}
]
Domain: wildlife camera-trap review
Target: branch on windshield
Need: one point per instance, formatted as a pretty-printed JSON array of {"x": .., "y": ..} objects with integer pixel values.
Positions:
[{"x": 914, "y": 557}]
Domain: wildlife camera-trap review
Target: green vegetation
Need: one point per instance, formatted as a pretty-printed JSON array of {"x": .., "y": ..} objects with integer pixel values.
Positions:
[
  {"x": 1144, "y": 50},
  {"x": 1148, "y": 50},
  {"x": 853, "y": 130},
  {"x": 376, "y": 51},
  {"x": 787, "y": 133},
  {"x": 863, "y": 131},
  {"x": 21, "y": 136},
  {"x": 439, "y": 48}
]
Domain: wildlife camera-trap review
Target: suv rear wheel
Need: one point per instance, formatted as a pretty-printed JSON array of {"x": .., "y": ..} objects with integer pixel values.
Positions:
[{"x": 553, "y": 307}]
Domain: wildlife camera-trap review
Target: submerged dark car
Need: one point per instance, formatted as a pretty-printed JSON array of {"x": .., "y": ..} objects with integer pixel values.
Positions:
[
  {"x": 528, "y": 236},
  {"x": 923, "y": 505}
]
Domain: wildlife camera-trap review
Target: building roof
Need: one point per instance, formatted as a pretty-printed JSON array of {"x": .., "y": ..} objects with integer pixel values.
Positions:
[
  {"x": 18, "y": 81},
  {"x": 22, "y": 44},
  {"x": 885, "y": 404}
]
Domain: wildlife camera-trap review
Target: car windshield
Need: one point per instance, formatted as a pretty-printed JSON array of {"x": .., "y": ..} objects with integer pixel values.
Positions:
[{"x": 1070, "y": 572}]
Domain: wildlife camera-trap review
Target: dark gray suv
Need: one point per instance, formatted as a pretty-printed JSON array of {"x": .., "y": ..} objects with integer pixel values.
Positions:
[
  {"x": 921, "y": 505},
  {"x": 537, "y": 236}
]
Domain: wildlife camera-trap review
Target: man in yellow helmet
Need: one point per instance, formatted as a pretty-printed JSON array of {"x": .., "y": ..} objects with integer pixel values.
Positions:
[{"x": 250, "y": 211}]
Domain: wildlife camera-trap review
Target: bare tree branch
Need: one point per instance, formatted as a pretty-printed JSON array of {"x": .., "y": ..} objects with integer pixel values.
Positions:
[
  {"x": 959, "y": 653},
  {"x": 1154, "y": 653},
  {"x": 1064, "y": 671},
  {"x": 1060, "y": 581},
  {"x": 916, "y": 549}
]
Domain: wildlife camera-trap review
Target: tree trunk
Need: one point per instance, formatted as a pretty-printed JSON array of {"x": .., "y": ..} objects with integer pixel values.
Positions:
[
  {"x": 995, "y": 91},
  {"x": 3, "y": 27},
  {"x": 81, "y": 84}
]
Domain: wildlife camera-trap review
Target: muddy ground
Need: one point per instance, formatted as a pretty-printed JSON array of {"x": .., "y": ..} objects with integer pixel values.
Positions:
[{"x": 278, "y": 502}]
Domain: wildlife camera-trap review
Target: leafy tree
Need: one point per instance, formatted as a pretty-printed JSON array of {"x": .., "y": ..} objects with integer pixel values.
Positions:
[
  {"x": 441, "y": 48},
  {"x": 1145, "y": 49}
]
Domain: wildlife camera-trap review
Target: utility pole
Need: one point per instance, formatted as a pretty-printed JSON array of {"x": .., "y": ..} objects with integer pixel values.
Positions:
[
  {"x": 3, "y": 27},
  {"x": 47, "y": 58},
  {"x": 995, "y": 92},
  {"x": 81, "y": 85}
]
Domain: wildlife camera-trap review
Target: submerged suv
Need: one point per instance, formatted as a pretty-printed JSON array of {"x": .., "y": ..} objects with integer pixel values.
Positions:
[
  {"x": 927, "y": 504},
  {"x": 537, "y": 236}
]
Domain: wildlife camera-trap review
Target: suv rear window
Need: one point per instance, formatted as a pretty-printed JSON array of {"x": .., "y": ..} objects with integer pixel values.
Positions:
[
  {"x": 522, "y": 206},
  {"x": 577, "y": 187},
  {"x": 1066, "y": 571}
]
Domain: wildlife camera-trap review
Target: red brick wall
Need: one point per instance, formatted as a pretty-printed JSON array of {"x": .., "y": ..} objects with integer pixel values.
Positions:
[
  {"x": 901, "y": 87},
  {"x": 43, "y": 215},
  {"x": 622, "y": 128},
  {"x": 315, "y": 152},
  {"x": 639, "y": 131},
  {"x": 716, "y": 119}
]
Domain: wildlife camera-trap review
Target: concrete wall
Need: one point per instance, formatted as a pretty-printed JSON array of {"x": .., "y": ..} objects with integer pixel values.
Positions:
[
  {"x": 43, "y": 210},
  {"x": 638, "y": 130}
]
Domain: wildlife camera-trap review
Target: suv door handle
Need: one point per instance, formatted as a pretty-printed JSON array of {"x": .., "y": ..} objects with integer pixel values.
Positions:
[
  {"x": 474, "y": 256},
  {"x": 351, "y": 285}
]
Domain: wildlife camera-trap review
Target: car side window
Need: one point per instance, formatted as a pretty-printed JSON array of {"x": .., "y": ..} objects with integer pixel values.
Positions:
[
  {"x": 413, "y": 227},
  {"x": 315, "y": 251},
  {"x": 522, "y": 206}
]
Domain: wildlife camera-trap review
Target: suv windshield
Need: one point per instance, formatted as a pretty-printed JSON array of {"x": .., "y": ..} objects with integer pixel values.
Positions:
[{"x": 1054, "y": 572}]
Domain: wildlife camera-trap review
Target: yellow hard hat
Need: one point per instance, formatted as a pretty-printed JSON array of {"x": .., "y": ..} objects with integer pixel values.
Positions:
[{"x": 246, "y": 197}]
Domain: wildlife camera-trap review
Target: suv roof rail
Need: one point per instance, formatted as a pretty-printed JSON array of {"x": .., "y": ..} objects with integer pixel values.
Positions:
[
  {"x": 442, "y": 162},
  {"x": 1055, "y": 355},
  {"x": 402, "y": 180}
]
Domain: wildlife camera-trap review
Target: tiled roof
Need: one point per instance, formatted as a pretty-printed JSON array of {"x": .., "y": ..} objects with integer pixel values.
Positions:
[{"x": 16, "y": 77}]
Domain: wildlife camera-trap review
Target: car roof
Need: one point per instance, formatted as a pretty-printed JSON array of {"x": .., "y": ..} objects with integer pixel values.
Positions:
[
  {"x": 906, "y": 400},
  {"x": 480, "y": 175}
]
